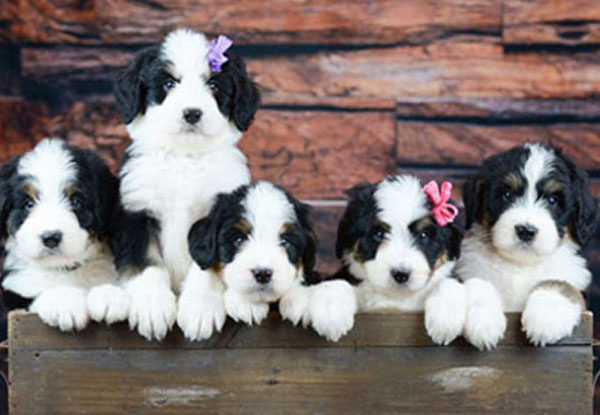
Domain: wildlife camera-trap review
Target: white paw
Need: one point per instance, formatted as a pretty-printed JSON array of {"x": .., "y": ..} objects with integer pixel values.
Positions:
[
  {"x": 200, "y": 316},
  {"x": 293, "y": 305},
  {"x": 108, "y": 303},
  {"x": 549, "y": 316},
  {"x": 486, "y": 322},
  {"x": 332, "y": 309},
  {"x": 239, "y": 309},
  {"x": 62, "y": 307},
  {"x": 445, "y": 311}
]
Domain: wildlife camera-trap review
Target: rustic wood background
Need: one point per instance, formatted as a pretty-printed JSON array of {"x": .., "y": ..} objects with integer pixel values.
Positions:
[{"x": 351, "y": 92}]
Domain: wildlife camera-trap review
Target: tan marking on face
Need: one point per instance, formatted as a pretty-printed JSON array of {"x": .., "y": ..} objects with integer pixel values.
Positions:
[
  {"x": 31, "y": 191},
  {"x": 243, "y": 226},
  {"x": 514, "y": 181},
  {"x": 424, "y": 223},
  {"x": 552, "y": 186},
  {"x": 565, "y": 289},
  {"x": 442, "y": 259},
  {"x": 355, "y": 254}
]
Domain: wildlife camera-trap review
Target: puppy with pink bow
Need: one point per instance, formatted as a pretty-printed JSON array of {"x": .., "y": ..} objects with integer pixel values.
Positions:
[{"x": 398, "y": 244}]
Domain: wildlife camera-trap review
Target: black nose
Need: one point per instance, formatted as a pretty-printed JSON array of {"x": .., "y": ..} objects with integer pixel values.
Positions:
[
  {"x": 526, "y": 233},
  {"x": 262, "y": 275},
  {"x": 400, "y": 275},
  {"x": 51, "y": 239},
  {"x": 192, "y": 115}
]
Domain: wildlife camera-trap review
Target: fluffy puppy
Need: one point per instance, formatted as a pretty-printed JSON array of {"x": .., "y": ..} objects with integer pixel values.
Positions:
[
  {"x": 184, "y": 116},
  {"x": 529, "y": 212},
  {"x": 397, "y": 256},
  {"x": 256, "y": 247},
  {"x": 56, "y": 206}
]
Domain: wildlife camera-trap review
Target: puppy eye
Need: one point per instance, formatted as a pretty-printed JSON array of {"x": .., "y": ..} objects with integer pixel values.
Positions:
[
  {"x": 285, "y": 242},
  {"x": 507, "y": 195},
  {"x": 76, "y": 201},
  {"x": 552, "y": 200},
  {"x": 168, "y": 85},
  {"x": 423, "y": 236},
  {"x": 379, "y": 234},
  {"x": 213, "y": 86},
  {"x": 28, "y": 204},
  {"x": 239, "y": 240}
]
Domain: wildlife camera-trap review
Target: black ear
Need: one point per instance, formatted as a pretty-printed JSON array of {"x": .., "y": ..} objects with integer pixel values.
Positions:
[
  {"x": 586, "y": 215},
  {"x": 357, "y": 218},
  {"x": 310, "y": 250},
  {"x": 130, "y": 87},
  {"x": 203, "y": 237},
  {"x": 7, "y": 173},
  {"x": 473, "y": 199},
  {"x": 245, "y": 94},
  {"x": 453, "y": 241}
]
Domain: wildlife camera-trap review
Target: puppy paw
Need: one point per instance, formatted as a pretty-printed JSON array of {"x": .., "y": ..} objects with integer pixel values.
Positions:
[
  {"x": 332, "y": 309},
  {"x": 239, "y": 309},
  {"x": 445, "y": 311},
  {"x": 293, "y": 306},
  {"x": 486, "y": 322},
  {"x": 62, "y": 307},
  {"x": 200, "y": 316},
  {"x": 549, "y": 316},
  {"x": 108, "y": 303}
]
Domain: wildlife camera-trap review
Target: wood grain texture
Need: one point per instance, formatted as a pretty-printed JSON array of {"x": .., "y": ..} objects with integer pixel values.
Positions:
[
  {"x": 326, "y": 378},
  {"x": 27, "y": 332},
  {"x": 10, "y": 71},
  {"x": 569, "y": 23},
  {"x": 312, "y": 21}
]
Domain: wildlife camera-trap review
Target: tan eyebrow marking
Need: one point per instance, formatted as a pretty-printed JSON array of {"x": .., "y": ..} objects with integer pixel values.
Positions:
[
  {"x": 552, "y": 186},
  {"x": 31, "y": 191},
  {"x": 71, "y": 190},
  {"x": 243, "y": 226},
  {"x": 514, "y": 181},
  {"x": 423, "y": 224}
]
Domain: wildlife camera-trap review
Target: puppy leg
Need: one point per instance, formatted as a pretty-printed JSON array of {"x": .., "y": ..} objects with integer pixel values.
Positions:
[
  {"x": 332, "y": 308},
  {"x": 153, "y": 306},
  {"x": 445, "y": 311},
  {"x": 293, "y": 306},
  {"x": 486, "y": 322},
  {"x": 552, "y": 311},
  {"x": 201, "y": 308},
  {"x": 108, "y": 303},
  {"x": 62, "y": 307},
  {"x": 240, "y": 309}
]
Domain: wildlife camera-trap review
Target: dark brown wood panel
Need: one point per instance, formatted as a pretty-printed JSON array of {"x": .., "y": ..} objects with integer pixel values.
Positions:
[
  {"x": 248, "y": 22},
  {"x": 468, "y": 144},
  {"x": 575, "y": 22},
  {"x": 306, "y": 376}
]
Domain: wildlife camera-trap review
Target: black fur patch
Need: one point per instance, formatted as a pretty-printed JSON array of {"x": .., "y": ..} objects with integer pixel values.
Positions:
[
  {"x": 435, "y": 240},
  {"x": 131, "y": 236}
]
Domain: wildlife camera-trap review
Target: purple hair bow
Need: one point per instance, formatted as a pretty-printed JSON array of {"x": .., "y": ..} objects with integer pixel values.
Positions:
[{"x": 216, "y": 52}]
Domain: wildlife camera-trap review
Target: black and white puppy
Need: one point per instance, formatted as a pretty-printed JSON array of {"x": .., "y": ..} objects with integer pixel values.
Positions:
[
  {"x": 184, "y": 120},
  {"x": 530, "y": 212},
  {"x": 56, "y": 207},
  {"x": 398, "y": 257},
  {"x": 257, "y": 247}
]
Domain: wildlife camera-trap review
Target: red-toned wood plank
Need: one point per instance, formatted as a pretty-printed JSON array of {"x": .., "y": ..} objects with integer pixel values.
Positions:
[
  {"x": 448, "y": 143},
  {"x": 248, "y": 21},
  {"x": 10, "y": 71},
  {"x": 452, "y": 69},
  {"x": 575, "y": 22}
]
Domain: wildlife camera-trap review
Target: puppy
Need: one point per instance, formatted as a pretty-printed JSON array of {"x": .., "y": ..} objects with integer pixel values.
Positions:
[
  {"x": 186, "y": 103},
  {"x": 398, "y": 256},
  {"x": 56, "y": 206},
  {"x": 256, "y": 247},
  {"x": 530, "y": 212}
]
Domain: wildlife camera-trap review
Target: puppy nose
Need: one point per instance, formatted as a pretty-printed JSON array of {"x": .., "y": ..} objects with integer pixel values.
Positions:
[
  {"x": 262, "y": 275},
  {"x": 192, "y": 115},
  {"x": 400, "y": 275},
  {"x": 526, "y": 233},
  {"x": 52, "y": 239}
]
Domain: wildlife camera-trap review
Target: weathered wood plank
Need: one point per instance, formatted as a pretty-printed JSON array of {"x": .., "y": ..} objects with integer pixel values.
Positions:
[
  {"x": 468, "y": 144},
  {"x": 575, "y": 22},
  {"x": 448, "y": 69},
  {"x": 369, "y": 380},
  {"x": 313, "y": 21},
  {"x": 27, "y": 332}
]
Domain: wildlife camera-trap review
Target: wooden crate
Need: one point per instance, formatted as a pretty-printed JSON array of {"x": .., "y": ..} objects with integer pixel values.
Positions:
[{"x": 387, "y": 365}]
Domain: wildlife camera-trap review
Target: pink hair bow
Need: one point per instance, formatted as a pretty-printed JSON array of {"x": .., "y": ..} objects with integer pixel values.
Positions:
[
  {"x": 443, "y": 212},
  {"x": 216, "y": 52}
]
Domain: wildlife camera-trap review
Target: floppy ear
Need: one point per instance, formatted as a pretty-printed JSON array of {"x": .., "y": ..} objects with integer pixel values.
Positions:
[
  {"x": 453, "y": 241},
  {"x": 309, "y": 255},
  {"x": 356, "y": 220},
  {"x": 245, "y": 94},
  {"x": 7, "y": 172},
  {"x": 473, "y": 199},
  {"x": 203, "y": 236},
  {"x": 585, "y": 217},
  {"x": 130, "y": 89}
]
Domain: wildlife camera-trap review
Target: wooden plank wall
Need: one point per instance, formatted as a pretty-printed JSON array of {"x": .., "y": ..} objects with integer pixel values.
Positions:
[{"x": 352, "y": 91}]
